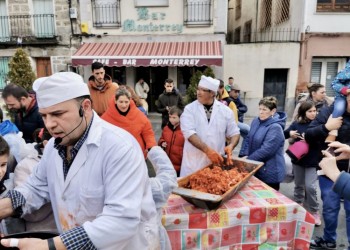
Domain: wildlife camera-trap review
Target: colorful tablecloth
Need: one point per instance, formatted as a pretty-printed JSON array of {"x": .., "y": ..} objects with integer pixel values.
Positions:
[{"x": 257, "y": 217}]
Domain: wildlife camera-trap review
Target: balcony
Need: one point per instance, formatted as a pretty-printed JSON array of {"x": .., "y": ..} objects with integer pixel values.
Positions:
[
  {"x": 198, "y": 13},
  {"x": 28, "y": 29},
  {"x": 106, "y": 15},
  {"x": 272, "y": 35}
]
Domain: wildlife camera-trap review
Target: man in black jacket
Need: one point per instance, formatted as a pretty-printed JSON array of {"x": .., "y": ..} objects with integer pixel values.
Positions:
[
  {"x": 170, "y": 97},
  {"x": 25, "y": 107}
]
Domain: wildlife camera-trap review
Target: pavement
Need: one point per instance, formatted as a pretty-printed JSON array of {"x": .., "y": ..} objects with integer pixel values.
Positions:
[{"x": 286, "y": 188}]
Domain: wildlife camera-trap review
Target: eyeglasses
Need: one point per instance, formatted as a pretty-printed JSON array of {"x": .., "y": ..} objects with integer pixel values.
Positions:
[{"x": 236, "y": 91}]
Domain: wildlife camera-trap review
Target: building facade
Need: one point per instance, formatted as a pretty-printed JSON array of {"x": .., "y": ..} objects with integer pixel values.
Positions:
[
  {"x": 153, "y": 40},
  {"x": 44, "y": 28},
  {"x": 287, "y": 44}
]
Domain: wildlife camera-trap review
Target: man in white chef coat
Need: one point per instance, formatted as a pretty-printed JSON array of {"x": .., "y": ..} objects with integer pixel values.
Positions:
[
  {"x": 205, "y": 124},
  {"x": 93, "y": 173}
]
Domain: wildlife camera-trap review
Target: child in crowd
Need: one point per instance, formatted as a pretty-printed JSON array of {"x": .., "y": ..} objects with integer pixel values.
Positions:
[
  {"x": 341, "y": 86},
  {"x": 172, "y": 139},
  {"x": 305, "y": 176}
]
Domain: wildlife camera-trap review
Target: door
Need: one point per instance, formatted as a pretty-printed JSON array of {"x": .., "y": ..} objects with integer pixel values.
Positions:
[
  {"x": 4, "y": 22},
  {"x": 275, "y": 84},
  {"x": 158, "y": 77},
  {"x": 43, "y": 67},
  {"x": 43, "y": 18}
]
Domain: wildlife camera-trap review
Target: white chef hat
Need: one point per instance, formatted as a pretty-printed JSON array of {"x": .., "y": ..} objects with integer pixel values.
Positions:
[
  {"x": 209, "y": 83},
  {"x": 59, "y": 87}
]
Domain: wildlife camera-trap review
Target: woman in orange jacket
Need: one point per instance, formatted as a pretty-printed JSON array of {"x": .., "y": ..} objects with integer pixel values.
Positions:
[{"x": 123, "y": 113}]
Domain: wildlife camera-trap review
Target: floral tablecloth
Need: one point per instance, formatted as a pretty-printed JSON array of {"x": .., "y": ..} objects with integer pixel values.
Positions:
[{"x": 257, "y": 217}]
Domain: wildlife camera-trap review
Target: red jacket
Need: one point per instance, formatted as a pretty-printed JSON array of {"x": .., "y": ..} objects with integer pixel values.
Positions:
[
  {"x": 135, "y": 122},
  {"x": 175, "y": 144}
]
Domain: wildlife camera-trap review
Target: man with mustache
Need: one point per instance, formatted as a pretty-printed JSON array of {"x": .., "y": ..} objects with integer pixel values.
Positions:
[{"x": 25, "y": 108}]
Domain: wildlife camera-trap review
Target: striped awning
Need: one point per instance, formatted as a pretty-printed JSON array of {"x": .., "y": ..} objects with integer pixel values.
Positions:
[{"x": 151, "y": 54}]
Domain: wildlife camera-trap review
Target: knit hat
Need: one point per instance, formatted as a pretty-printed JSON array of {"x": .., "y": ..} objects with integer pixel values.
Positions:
[
  {"x": 59, "y": 87},
  {"x": 209, "y": 83}
]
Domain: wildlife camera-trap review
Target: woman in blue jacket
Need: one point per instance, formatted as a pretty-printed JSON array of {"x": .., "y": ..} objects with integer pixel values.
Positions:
[{"x": 265, "y": 142}]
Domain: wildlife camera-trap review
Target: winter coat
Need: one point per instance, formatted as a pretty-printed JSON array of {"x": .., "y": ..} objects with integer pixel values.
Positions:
[
  {"x": 341, "y": 82},
  {"x": 308, "y": 160},
  {"x": 228, "y": 101},
  {"x": 317, "y": 133},
  {"x": 242, "y": 108},
  {"x": 265, "y": 143},
  {"x": 29, "y": 121},
  {"x": 135, "y": 122},
  {"x": 101, "y": 98},
  {"x": 168, "y": 99},
  {"x": 342, "y": 185},
  {"x": 175, "y": 144}
]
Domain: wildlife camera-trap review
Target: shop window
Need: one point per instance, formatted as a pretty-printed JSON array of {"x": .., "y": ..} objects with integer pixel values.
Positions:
[
  {"x": 106, "y": 13},
  {"x": 151, "y": 3},
  {"x": 198, "y": 12},
  {"x": 238, "y": 9},
  {"x": 333, "y": 6},
  {"x": 247, "y": 32}
]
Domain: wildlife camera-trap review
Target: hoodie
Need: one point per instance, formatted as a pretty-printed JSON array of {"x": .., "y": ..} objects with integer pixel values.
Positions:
[
  {"x": 265, "y": 143},
  {"x": 101, "y": 97}
]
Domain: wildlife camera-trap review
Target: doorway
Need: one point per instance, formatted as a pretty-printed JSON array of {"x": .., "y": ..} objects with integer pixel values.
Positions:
[
  {"x": 155, "y": 77},
  {"x": 275, "y": 84},
  {"x": 43, "y": 67}
]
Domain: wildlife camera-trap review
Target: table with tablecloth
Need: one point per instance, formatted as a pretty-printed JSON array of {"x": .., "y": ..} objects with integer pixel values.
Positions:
[{"x": 256, "y": 217}]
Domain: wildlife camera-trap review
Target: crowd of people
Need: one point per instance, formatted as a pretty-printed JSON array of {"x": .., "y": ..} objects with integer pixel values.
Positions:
[{"x": 85, "y": 176}]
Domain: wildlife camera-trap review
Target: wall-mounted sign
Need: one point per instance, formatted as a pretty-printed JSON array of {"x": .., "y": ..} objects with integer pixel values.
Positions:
[{"x": 154, "y": 23}]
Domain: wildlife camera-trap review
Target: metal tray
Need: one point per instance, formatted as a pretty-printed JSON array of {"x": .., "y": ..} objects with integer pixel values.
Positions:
[{"x": 212, "y": 201}]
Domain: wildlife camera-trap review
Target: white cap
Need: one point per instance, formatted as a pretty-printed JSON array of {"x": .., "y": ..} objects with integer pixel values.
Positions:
[
  {"x": 209, "y": 83},
  {"x": 59, "y": 87}
]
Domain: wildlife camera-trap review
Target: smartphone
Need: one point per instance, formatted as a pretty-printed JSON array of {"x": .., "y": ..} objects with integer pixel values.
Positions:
[{"x": 330, "y": 150}]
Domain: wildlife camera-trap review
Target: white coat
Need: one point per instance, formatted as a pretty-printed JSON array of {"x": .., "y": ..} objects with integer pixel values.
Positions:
[
  {"x": 194, "y": 121},
  {"x": 106, "y": 191}
]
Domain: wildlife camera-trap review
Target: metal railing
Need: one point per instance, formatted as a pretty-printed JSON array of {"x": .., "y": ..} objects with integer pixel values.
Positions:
[
  {"x": 268, "y": 36},
  {"x": 106, "y": 15},
  {"x": 18, "y": 27},
  {"x": 198, "y": 13}
]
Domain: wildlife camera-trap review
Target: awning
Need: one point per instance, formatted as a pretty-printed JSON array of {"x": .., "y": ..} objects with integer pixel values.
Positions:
[{"x": 150, "y": 54}]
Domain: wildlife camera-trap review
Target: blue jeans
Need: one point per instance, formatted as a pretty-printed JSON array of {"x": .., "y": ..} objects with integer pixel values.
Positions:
[
  {"x": 331, "y": 207},
  {"x": 339, "y": 106},
  {"x": 244, "y": 130}
]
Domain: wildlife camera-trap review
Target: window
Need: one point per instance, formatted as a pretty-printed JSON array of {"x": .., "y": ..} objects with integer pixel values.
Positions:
[
  {"x": 43, "y": 19},
  {"x": 238, "y": 9},
  {"x": 106, "y": 13},
  {"x": 333, "y": 6},
  {"x": 282, "y": 11},
  {"x": 237, "y": 36},
  {"x": 151, "y": 3},
  {"x": 4, "y": 69},
  {"x": 324, "y": 70},
  {"x": 198, "y": 12},
  {"x": 247, "y": 31},
  {"x": 4, "y": 24},
  {"x": 266, "y": 14}
]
